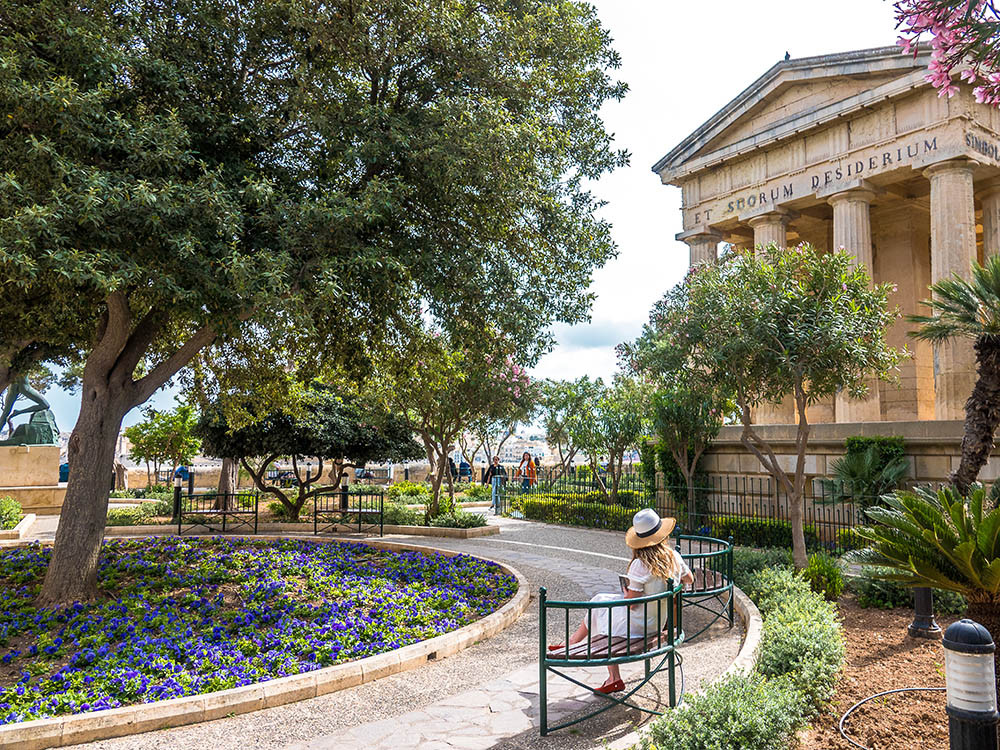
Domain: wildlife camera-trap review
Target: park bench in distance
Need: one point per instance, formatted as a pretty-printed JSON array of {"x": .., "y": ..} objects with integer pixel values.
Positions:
[
  {"x": 240, "y": 508},
  {"x": 336, "y": 507},
  {"x": 711, "y": 562}
]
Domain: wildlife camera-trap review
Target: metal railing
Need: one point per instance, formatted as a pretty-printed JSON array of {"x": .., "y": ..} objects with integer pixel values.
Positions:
[
  {"x": 336, "y": 508},
  {"x": 239, "y": 508}
]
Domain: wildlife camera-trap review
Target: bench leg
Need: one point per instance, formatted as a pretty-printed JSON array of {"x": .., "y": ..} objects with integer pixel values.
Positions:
[
  {"x": 671, "y": 664},
  {"x": 647, "y": 668}
]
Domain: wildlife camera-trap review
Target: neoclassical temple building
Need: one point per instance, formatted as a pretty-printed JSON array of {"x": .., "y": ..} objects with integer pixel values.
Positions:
[{"x": 855, "y": 150}]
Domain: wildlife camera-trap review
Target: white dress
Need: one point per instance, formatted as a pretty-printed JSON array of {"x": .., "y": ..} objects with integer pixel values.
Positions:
[{"x": 641, "y": 579}]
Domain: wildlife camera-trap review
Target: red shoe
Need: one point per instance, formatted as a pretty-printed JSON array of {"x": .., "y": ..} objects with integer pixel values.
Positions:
[
  {"x": 614, "y": 687},
  {"x": 557, "y": 647}
]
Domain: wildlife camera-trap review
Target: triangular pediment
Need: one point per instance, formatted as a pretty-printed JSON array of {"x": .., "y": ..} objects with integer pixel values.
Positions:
[{"x": 793, "y": 96}]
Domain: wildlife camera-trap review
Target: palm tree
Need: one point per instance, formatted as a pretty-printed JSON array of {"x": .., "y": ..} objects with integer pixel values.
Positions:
[
  {"x": 942, "y": 540},
  {"x": 862, "y": 478},
  {"x": 971, "y": 309}
]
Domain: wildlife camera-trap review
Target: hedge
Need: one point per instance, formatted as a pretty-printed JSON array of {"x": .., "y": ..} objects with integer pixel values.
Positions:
[
  {"x": 759, "y": 532},
  {"x": 802, "y": 650},
  {"x": 594, "y": 515},
  {"x": 10, "y": 512}
]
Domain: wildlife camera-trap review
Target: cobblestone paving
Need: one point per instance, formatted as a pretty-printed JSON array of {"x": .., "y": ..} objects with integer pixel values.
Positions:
[{"x": 483, "y": 697}]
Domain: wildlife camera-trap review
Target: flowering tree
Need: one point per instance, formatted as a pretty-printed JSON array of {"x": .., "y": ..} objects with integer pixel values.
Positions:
[
  {"x": 561, "y": 401},
  {"x": 965, "y": 38},
  {"x": 781, "y": 322}
]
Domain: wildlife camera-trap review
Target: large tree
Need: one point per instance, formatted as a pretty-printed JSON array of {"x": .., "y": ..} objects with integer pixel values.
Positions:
[
  {"x": 781, "y": 322},
  {"x": 559, "y": 404},
  {"x": 173, "y": 171},
  {"x": 323, "y": 426}
]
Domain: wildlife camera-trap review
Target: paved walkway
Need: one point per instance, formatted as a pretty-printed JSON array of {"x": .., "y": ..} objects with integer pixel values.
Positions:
[{"x": 484, "y": 697}]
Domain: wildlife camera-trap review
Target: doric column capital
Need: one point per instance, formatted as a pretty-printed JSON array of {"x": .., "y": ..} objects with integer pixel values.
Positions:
[
  {"x": 854, "y": 195},
  {"x": 699, "y": 234},
  {"x": 771, "y": 218},
  {"x": 962, "y": 164}
]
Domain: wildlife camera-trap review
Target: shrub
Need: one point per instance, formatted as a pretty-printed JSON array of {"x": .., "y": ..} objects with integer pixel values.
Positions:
[
  {"x": 747, "y": 562},
  {"x": 874, "y": 592},
  {"x": 132, "y": 516},
  {"x": 478, "y": 492},
  {"x": 824, "y": 576},
  {"x": 759, "y": 532},
  {"x": 887, "y": 447},
  {"x": 848, "y": 539},
  {"x": 801, "y": 638},
  {"x": 279, "y": 511},
  {"x": 409, "y": 492},
  {"x": 10, "y": 512},
  {"x": 801, "y": 653},
  {"x": 742, "y": 711},
  {"x": 589, "y": 515},
  {"x": 459, "y": 520},
  {"x": 397, "y": 514},
  {"x": 161, "y": 508},
  {"x": 123, "y": 493}
]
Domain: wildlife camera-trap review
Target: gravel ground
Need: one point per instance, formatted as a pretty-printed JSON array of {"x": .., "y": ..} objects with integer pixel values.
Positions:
[{"x": 571, "y": 563}]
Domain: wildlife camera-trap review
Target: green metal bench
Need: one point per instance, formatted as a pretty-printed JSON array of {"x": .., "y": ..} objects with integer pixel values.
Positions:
[
  {"x": 658, "y": 650},
  {"x": 711, "y": 562}
]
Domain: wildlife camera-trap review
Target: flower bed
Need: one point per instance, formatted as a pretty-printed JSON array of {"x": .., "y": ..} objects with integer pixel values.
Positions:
[{"x": 178, "y": 617}]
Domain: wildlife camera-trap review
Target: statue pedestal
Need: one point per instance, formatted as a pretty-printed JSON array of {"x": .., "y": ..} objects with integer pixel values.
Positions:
[{"x": 30, "y": 474}]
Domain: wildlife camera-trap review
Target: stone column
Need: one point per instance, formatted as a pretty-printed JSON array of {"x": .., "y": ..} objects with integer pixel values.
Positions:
[
  {"x": 770, "y": 228},
  {"x": 990, "y": 197},
  {"x": 704, "y": 245},
  {"x": 953, "y": 248},
  {"x": 852, "y": 230}
]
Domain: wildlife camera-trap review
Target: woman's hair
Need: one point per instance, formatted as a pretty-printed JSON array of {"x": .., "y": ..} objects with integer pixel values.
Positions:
[
  {"x": 660, "y": 560},
  {"x": 526, "y": 454}
]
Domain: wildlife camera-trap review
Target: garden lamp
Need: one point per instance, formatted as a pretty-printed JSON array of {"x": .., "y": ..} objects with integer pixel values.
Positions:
[
  {"x": 970, "y": 684},
  {"x": 178, "y": 483}
]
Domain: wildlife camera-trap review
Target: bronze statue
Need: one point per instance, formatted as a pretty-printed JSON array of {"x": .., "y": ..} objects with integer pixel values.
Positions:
[{"x": 41, "y": 428}]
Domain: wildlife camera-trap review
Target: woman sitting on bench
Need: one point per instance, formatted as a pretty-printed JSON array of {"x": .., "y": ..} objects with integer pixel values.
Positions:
[{"x": 654, "y": 560}]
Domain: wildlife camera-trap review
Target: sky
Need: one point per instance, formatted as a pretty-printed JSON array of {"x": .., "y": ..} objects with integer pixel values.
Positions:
[{"x": 683, "y": 62}]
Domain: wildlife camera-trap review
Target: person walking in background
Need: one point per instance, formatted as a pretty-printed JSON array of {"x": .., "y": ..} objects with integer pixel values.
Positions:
[
  {"x": 495, "y": 476},
  {"x": 527, "y": 471}
]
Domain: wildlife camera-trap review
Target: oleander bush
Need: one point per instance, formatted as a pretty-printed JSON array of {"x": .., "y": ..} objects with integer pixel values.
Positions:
[
  {"x": 10, "y": 512},
  {"x": 874, "y": 592},
  {"x": 183, "y": 616},
  {"x": 801, "y": 653},
  {"x": 824, "y": 576}
]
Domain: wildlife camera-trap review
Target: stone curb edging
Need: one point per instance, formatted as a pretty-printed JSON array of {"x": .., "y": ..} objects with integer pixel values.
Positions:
[
  {"x": 306, "y": 528},
  {"x": 21, "y": 530},
  {"x": 753, "y": 625},
  {"x": 145, "y": 717}
]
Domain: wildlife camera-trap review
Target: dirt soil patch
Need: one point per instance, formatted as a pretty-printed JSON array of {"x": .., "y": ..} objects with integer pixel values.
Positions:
[{"x": 881, "y": 656}]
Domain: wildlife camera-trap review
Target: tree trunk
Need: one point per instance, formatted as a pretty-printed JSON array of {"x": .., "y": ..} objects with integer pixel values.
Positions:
[
  {"x": 72, "y": 572},
  {"x": 227, "y": 483},
  {"x": 986, "y": 612},
  {"x": 982, "y": 414},
  {"x": 121, "y": 476}
]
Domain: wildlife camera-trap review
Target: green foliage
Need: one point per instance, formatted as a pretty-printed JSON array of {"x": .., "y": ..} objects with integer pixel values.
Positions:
[
  {"x": 747, "y": 562},
  {"x": 873, "y": 591},
  {"x": 592, "y": 515},
  {"x": 937, "y": 539},
  {"x": 647, "y": 464},
  {"x": 396, "y": 514},
  {"x": 477, "y": 492},
  {"x": 561, "y": 404},
  {"x": 801, "y": 652},
  {"x": 824, "y": 576},
  {"x": 409, "y": 492},
  {"x": 849, "y": 539},
  {"x": 10, "y": 512},
  {"x": 279, "y": 511},
  {"x": 864, "y": 474},
  {"x": 801, "y": 638},
  {"x": 137, "y": 515},
  {"x": 123, "y": 493},
  {"x": 165, "y": 437},
  {"x": 459, "y": 520},
  {"x": 887, "y": 447},
  {"x": 759, "y": 532},
  {"x": 741, "y": 711}
]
